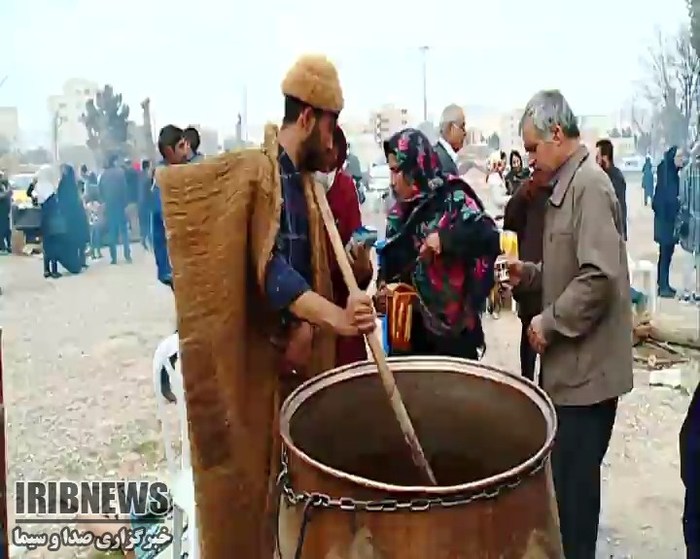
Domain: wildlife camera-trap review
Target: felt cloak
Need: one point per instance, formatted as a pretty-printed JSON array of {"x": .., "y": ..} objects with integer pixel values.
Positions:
[{"x": 222, "y": 216}]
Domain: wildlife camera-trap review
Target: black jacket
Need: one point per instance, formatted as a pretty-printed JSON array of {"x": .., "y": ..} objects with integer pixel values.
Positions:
[
  {"x": 620, "y": 185},
  {"x": 448, "y": 166},
  {"x": 524, "y": 215}
]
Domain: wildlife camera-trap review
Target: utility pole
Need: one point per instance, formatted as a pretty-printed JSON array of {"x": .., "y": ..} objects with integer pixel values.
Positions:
[
  {"x": 424, "y": 54},
  {"x": 244, "y": 115},
  {"x": 56, "y": 124}
]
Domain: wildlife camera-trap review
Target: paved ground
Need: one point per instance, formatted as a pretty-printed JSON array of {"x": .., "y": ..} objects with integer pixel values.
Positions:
[{"x": 78, "y": 389}]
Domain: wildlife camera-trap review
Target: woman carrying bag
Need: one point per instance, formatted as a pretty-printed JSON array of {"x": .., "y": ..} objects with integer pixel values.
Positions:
[{"x": 437, "y": 265}]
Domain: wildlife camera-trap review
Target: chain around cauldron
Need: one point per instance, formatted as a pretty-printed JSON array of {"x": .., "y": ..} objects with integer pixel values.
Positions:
[
  {"x": 419, "y": 504},
  {"x": 311, "y": 501}
]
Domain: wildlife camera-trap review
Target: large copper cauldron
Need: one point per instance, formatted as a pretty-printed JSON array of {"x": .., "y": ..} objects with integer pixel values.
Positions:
[{"x": 350, "y": 491}]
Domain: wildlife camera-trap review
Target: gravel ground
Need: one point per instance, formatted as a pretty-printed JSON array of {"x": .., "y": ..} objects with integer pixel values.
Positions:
[{"x": 78, "y": 387}]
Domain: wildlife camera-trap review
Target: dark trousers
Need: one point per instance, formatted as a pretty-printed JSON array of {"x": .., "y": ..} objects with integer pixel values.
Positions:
[
  {"x": 663, "y": 267},
  {"x": 690, "y": 474},
  {"x": 145, "y": 226},
  {"x": 118, "y": 229},
  {"x": 579, "y": 448},
  {"x": 528, "y": 356},
  {"x": 424, "y": 342},
  {"x": 49, "y": 248},
  {"x": 95, "y": 240},
  {"x": 5, "y": 235}
]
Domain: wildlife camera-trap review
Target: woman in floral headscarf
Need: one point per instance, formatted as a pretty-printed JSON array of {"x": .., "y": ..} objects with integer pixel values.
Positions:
[{"x": 442, "y": 243}]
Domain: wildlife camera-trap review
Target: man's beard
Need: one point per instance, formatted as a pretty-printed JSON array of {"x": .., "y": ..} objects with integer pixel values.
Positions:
[{"x": 313, "y": 156}]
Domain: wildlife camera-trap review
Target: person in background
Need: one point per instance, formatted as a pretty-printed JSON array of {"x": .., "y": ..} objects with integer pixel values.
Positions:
[
  {"x": 344, "y": 204},
  {"x": 688, "y": 225},
  {"x": 440, "y": 242},
  {"x": 690, "y": 474},
  {"x": 132, "y": 173},
  {"x": 144, "y": 203},
  {"x": 647, "y": 181},
  {"x": 353, "y": 168},
  {"x": 95, "y": 213},
  {"x": 84, "y": 172},
  {"x": 498, "y": 198},
  {"x": 53, "y": 226},
  {"x": 72, "y": 252},
  {"x": 453, "y": 131},
  {"x": 517, "y": 174},
  {"x": 82, "y": 180},
  {"x": 91, "y": 189},
  {"x": 113, "y": 193},
  {"x": 524, "y": 215},
  {"x": 498, "y": 193},
  {"x": 665, "y": 207},
  {"x": 193, "y": 140},
  {"x": 583, "y": 331},
  {"x": 5, "y": 211},
  {"x": 175, "y": 151},
  {"x": 605, "y": 158}
]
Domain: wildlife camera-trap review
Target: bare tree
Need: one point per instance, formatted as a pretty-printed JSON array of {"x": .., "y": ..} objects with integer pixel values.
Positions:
[
  {"x": 694, "y": 13},
  {"x": 687, "y": 69},
  {"x": 644, "y": 128},
  {"x": 673, "y": 69}
]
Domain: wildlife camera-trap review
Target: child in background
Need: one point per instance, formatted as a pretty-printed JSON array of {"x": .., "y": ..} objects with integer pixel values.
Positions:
[{"x": 95, "y": 212}]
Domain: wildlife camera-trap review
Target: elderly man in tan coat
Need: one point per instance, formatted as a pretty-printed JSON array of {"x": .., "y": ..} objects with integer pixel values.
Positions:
[{"x": 583, "y": 333}]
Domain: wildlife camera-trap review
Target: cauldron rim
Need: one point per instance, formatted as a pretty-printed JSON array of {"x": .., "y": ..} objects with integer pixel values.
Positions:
[{"x": 421, "y": 363}]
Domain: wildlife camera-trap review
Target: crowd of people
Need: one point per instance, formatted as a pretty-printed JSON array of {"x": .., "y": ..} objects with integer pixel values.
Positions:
[
  {"x": 83, "y": 212},
  {"x": 567, "y": 208}
]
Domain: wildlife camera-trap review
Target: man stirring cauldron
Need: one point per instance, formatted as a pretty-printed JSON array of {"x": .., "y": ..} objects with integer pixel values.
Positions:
[
  {"x": 583, "y": 331},
  {"x": 255, "y": 306}
]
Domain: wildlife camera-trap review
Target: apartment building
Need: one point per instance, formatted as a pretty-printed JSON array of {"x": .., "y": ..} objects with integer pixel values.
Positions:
[
  {"x": 66, "y": 110},
  {"x": 509, "y": 133},
  {"x": 593, "y": 128},
  {"x": 352, "y": 125},
  {"x": 9, "y": 126},
  {"x": 388, "y": 120},
  {"x": 481, "y": 122}
]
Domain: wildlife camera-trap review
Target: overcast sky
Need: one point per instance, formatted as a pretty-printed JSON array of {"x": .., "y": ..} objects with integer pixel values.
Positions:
[{"x": 194, "y": 57}]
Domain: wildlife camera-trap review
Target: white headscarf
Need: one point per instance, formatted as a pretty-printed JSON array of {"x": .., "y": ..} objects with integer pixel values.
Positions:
[{"x": 46, "y": 183}]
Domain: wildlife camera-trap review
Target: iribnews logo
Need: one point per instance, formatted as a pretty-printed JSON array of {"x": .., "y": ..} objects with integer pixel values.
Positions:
[{"x": 52, "y": 502}]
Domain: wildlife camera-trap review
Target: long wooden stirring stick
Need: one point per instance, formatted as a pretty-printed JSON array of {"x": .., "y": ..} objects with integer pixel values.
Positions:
[
  {"x": 375, "y": 344},
  {"x": 4, "y": 528}
]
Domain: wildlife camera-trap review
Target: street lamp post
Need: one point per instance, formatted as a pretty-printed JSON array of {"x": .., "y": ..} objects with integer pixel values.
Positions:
[
  {"x": 243, "y": 115},
  {"x": 424, "y": 53},
  {"x": 58, "y": 120}
]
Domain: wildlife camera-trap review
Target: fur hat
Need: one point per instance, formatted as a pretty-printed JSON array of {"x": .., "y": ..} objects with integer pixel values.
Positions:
[{"x": 314, "y": 80}]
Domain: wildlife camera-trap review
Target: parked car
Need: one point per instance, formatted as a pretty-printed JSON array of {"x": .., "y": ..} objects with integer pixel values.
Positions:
[
  {"x": 633, "y": 164},
  {"x": 19, "y": 185},
  {"x": 379, "y": 178}
]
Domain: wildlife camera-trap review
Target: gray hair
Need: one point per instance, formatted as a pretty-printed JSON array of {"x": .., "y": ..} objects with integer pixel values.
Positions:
[
  {"x": 547, "y": 109},
  {"x": 450, "y": 115}
]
